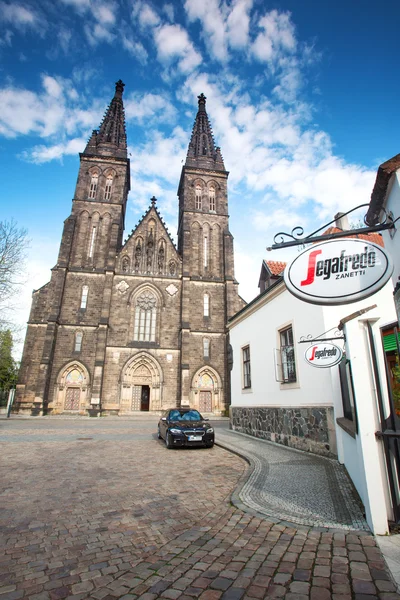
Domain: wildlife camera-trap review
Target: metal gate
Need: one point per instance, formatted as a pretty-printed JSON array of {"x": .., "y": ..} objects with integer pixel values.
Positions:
[{"x": 390, "y": 431}]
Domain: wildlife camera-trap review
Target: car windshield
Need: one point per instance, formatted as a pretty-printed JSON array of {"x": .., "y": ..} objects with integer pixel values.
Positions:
[{"x": 187, "y": 415}]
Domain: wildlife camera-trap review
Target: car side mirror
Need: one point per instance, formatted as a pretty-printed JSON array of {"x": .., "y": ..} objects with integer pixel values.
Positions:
[
  {"x": 163, "y": 418},
  {"x": 205, "y": 419}
]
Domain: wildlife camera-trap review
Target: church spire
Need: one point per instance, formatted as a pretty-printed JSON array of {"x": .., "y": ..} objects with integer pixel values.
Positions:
[
  {"x": 202, "y": 151},
  {"x": 110, "y": 139}
]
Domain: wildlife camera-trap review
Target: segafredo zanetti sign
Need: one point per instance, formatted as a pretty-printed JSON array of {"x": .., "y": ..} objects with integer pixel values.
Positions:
[
  {"x": 338, "y": 271},
  {"x": 323, "y": 355}
]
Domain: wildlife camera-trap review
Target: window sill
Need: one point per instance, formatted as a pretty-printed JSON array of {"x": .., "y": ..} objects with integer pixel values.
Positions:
[
  {"x": 289, "y": 386},
  {"x": 347, "y": 426},
  {"x": 247, "y": 391}
]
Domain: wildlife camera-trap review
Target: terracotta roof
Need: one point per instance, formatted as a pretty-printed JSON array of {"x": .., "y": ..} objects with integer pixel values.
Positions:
[
  {"x": 383, "y": 176},
  {"x": 275, "y": 266},
  {"x": 374, "y": 237}
]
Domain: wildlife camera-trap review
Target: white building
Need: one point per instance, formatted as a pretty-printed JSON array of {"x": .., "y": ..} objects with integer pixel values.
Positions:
[{"x": 277, "y": 396}]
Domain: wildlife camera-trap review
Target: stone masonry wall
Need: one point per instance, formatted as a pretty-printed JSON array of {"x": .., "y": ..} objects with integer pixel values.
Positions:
[{"x": 306, "y": 428}]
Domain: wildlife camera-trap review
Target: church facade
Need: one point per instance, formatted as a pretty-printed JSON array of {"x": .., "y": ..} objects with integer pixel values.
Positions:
[{"x": 140, "y": 325}]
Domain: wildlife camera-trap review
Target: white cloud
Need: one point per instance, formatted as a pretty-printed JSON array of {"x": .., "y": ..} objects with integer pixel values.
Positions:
[
  {"x": 208, "y": 12},
  {"x": 149, "y": 107},
  {"x": 134, "y": 48},
  {"x": 277, "y": 35},
  {"x": 42, "y": 154},
  {"x": 18, "y": 15},
  {"x": 238, "y": 23},
  {"x": 147, "y": 16},
  {"x": 173, "y": 42}
]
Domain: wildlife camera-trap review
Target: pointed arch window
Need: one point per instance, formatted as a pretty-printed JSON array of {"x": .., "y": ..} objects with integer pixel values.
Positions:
[
  {"x": 92, "y": 242},
  {"x": 145, "y": 317},
  {"x": 198, "y": 197},
  {"x": 212, "y": 198},
  {"x": 205, "y": 252},
  {"x": 107, "y": 191},
  {"x": 78, "y": 341},
  {"x": 84, "y": 296},
  {"x": 93, "y": 185},
  {"x": 206, "y": 305}
]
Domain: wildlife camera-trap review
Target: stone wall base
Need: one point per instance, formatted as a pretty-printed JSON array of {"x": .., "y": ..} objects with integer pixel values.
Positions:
[{"x": 307, "y": 428}]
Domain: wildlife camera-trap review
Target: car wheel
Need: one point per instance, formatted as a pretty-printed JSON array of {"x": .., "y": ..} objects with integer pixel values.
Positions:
[
  {"x": 168, "y": 441},
  {"x": 159, "y": 434},
  {"x": 210, "y": 445}
]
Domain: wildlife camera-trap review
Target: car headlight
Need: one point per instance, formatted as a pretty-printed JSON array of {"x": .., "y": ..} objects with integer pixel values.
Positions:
[
  {"x": 210, "y": 430},
  {"x": 174, "y": 430}
]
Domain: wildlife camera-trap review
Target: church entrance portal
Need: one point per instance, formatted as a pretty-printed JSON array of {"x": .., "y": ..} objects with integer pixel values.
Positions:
[
  {"x": 141, "y": 387},
  {"x": 205, "y": 402}
]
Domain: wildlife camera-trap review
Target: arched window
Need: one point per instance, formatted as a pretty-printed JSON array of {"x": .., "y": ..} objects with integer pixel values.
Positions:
[
  {"x": 92, "y": 241},
  {"x": 145, "y": 317},
  {"x": 93, "y": 185},
  {"x": 205, "y": 252},
  {"x": 198, "y": 197},
  {"x": 211, "y": 195},
  {"x": 206, "y": 348},
  {"x": 206, "y": 305},
  {"x": 84, "y": 297},
  {"x": 78, "y": 341},
  {"x": 107, "y": 191}
]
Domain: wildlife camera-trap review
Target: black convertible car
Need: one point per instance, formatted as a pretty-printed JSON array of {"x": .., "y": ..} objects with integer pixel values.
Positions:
[{"x": 185, "y": 427}]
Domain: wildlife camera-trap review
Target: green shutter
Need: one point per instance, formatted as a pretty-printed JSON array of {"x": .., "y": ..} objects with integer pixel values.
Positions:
[{"x": 389, "y": 342}]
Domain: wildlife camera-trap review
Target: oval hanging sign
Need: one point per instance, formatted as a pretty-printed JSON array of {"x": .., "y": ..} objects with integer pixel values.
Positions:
[
  {"x": 323, "y": 355},
  {"x": 338, "y": 271}
]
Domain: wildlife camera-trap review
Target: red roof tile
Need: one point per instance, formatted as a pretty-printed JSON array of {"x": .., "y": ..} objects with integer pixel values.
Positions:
[
  {"x": 374, "y": 237},
  {"x": 275, "y": 266}
]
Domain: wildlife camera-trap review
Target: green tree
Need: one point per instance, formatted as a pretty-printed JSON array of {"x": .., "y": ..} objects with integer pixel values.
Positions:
[{"x": 8, "y": 366}]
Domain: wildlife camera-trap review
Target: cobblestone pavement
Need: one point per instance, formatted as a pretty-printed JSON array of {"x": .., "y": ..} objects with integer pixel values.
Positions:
[
  {"x": 299, "y": 487},
  {"x": 101, "y": 509}
]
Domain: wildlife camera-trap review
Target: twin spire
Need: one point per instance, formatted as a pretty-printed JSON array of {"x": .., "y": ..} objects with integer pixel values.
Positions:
[{"x": 110, "y": 139}]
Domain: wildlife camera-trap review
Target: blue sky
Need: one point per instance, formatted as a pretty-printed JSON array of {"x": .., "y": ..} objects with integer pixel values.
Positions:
[{"x": 302, "y": 97}]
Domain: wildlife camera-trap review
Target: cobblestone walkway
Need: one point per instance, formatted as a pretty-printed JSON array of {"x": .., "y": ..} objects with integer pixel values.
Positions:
[
  {"x": 298, "y": 487},
  {"x": 87, "y": 512}
]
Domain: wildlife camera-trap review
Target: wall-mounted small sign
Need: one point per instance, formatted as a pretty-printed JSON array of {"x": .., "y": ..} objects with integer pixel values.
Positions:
[
  {"x": 323, "y": 355},
  {"x": 338, "y": 271}
]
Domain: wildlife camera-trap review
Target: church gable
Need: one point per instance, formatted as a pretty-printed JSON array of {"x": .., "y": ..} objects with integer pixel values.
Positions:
[{"x": 149, "y": 250}]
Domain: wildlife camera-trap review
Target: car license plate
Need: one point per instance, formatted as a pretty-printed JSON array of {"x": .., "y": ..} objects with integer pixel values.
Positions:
[{"x": 195, "y": 438}]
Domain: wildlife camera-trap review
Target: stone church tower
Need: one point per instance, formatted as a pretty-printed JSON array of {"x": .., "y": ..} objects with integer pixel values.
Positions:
[{"x": 137, "y": 326}]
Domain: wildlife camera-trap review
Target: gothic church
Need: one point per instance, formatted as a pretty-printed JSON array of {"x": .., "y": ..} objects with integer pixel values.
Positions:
[{"x": 140, "y": 325}]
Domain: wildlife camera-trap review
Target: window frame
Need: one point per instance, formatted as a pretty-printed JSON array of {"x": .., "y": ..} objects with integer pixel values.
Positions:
[
  {"x": 246, "y": 367},
  {"x": 198, "y": 197},
  {"x": 84, "y": 297},
  {"x": 206, "y": 348},
  {"x": 108, "y": 187},
  {"x": 211, "y": 198},
  {"x": 94, "y": 184},
  {"x": 206, "y": 305},
  {"x": 287, "y": 366},
  {"x": 145, "y": 320},
  {"x": 78, "y": 340}
]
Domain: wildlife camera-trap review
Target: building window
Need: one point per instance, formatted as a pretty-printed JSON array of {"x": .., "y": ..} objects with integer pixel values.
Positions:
[
  {"x": 107, "y": 192},
  {"x": 205, "y": 252},
  {"x": 206, "y": 305},
  {"x": 206, "y": 348},
  {"x": 92, "y": 241},
  {"x": 212, "y": 199},
  {"x": 347, "y": 389},
  {"x": 78, "y": 341},
  {"x": 84, "y": 297},
  {"x": 246, "y": 367},
  {"x": 198, "y": 197},
  {"x": 145, "y": 317},
  {"x": 287, "y": 355},
  {"x": 93, "y": 186}
]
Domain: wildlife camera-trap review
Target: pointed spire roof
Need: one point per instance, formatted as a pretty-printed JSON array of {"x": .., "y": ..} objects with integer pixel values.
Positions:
[
  {"x": 110, "y": 139},
  {"x": 202, "y": 151}
]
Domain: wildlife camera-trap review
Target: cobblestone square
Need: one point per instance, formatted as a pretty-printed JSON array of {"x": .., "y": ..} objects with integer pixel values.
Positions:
[{"x": 114, "y": 514}]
